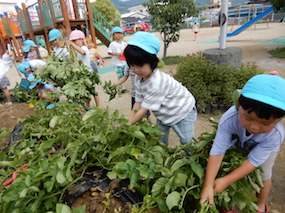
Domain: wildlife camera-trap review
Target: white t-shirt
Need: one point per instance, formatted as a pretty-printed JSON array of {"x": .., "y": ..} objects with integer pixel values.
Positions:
[
  {"x": 116, "y": 47},
  {"x": 167, "y": 98},
  {"x": 5, "y": 64},
  {"x": 36, "y": 64},
  {"x": 85, "y": 58},
  {"x": 259, "y": 146},
  {"x": 61, "y": 52}
]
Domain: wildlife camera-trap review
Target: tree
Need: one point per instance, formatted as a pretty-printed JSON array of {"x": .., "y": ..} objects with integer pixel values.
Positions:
[
  {"x": 167, "y": 15},
  {"x": 108, "y": 11},
  {"x": 278, "y": 4}
]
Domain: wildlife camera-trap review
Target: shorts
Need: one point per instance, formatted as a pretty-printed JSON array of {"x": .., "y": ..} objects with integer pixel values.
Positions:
[
  {"x": 184, "y": 128},
  {"x": 268, "y": 165},
  {"x": 120, "y": 70},
  {"x": 4, "y": 83},
  {"x": 196, "y": 32},
  {"x": 94, "y": 66}
]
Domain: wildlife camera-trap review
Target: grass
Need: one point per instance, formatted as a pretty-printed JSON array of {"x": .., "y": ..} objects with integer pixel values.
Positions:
[
  {"x": 277, "y": 53},
  {"x": 172, "y": 60}
]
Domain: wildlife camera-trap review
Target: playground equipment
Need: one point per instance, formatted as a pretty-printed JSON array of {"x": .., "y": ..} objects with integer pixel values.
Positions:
[
  {"x": 37, "y": 20},
  {"x": 257, "y": 16}
]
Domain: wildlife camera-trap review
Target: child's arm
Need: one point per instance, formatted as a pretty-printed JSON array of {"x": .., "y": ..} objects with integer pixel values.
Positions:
[
  {"x": 121, "y": 80},
  {"x": 76, "y": 47},
  {"x": 137, "y": 113},
  {"x": 115, "y": 54},
  {"x": 212, "y": 169},
  {"x": 222, "y": 183}
]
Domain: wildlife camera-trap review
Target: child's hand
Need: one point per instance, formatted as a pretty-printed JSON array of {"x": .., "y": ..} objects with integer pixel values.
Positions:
[
  {"x": 207, "y": 194},
  {"x": 221, "y": 184},
  {"x": 68, "y": 42}
]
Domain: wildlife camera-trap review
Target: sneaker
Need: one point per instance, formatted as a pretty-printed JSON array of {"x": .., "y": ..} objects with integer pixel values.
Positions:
[
  {"x": 50, "y": 106},
  {"x": 124, "y": 90},
  {"x": 8, "y": 103},
  {"x": 87, "y": 109}
]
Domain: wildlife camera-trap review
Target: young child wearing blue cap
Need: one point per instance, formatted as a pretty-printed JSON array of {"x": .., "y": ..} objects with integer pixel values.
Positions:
[
  {"x": 115, "y": 49},
  {"x": 29, "y": 67},
  {"x": 29, "y": 51},
  {"x": 171, "y": 102},
  {"x": 256, "y": 120},
  {"x": 42, "y": 88},
  {"x": 58, "y": 45}
]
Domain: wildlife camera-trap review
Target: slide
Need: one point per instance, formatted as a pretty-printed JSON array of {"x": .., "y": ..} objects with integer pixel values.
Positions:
[{"x": 251, "y": 22}]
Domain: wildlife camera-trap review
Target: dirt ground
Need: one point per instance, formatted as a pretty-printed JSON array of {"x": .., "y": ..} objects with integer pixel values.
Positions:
[{"x": 255, "y": 49}]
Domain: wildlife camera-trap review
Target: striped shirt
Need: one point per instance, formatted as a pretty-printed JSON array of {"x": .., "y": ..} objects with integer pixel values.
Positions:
[{"x": 167, "y": 98}]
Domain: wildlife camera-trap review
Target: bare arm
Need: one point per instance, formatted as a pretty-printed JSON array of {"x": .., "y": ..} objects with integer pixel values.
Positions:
[
  {"x": 137, "y": 113},
  {"x": 121, "y": 80},
  {"x": 212, "y": 169},
  {"x": 76, "y": 47},
  {"x": 222, "y": 183}
]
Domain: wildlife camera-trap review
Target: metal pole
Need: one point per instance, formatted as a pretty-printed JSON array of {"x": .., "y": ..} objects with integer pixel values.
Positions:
[{"x": 223, "y": 23}]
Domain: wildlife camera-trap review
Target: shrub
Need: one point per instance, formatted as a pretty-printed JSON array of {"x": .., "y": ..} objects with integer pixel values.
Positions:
[{"x": 211, "y": 83}]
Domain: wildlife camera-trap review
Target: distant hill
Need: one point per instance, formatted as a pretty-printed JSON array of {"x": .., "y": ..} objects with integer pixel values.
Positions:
[{"x": 123, "y": 6}]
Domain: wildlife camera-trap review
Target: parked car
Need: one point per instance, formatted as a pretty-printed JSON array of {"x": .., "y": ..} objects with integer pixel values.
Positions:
[{"x": 127, "y": 30}]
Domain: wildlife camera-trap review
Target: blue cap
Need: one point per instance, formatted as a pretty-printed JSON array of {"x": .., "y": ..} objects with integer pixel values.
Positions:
[
  {"x": 145, "y": 41},
  {"x": 116, "y": 30},
  {"x": 28, "y": 44},
  {"x": 23, "y": 66},
  {"x": 54, "y": 34},
  {"x": 268, "y": 89},
  {"x": 34, "y": 83}
]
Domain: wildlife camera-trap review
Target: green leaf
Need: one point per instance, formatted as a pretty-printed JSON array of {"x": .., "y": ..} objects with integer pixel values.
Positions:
[
  {"x": 24, "y": 193},
  {"x": 60, "y": 178},
  {"x": 80, "y": 209},
  {"x": 53, "y": 121},
  {"x": 158, "y": 186},
  {"x": 197, "y": 169},
  {"x": 180, "y": 180},
  {"x": 177, "y": 164},
  {"x": 140, "y": 135},
  {"x": 173, "y": 199},
  {"x": 62, "y": 208}
]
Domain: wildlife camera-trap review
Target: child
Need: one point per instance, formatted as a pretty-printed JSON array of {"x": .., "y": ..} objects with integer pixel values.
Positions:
[
  {"x": 195, "y": 29},
  {"x": 42, "y": 87},
  {"x": 76, "y": 41},
  {"x": 128, "y": 72},
  {"x": 58, "y": 46},
  {"x": 93, "y": 54},
  {"x": 29, "y": 51},
  {"x": 5, "y": 64},
  {"x": 29, "y": 67},
  {"x": 115, "y": 49},
  {"x": 256, "y": 120},
  {"x": 171, "y": 102}
]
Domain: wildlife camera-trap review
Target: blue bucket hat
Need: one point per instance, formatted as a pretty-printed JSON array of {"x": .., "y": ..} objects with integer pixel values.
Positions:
[
  {"x": 116, "y": 30},
  {"x": 145, "y": 41},
  {"x": 23, "y": 66},
  {"x": 28, "y": 44},
  {"x": 54, "y": 34},
  {"x": 34, "y": 83},
  {"x": 268, "y": 89}
]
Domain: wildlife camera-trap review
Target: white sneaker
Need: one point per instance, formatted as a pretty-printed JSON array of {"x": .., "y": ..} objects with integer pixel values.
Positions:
[{"x": 8, "y": 103}]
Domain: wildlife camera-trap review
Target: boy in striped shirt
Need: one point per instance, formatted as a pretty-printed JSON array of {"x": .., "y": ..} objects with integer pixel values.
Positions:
[{"x": 171, "y": 102}]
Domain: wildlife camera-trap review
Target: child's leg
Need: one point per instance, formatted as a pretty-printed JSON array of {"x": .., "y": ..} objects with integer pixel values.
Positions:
[
  {"x": 165, "y": 131},
  {"x": 185, "y": 128},
  {"x": 266, "y": 179},
  {"x": 120, "y": 74},
  {"x": 97, "y": 101},
  {"x": 7, "y": 94}
]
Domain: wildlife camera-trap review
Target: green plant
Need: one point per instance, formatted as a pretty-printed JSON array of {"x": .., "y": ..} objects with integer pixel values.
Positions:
[
  {"x": 167, "y": 177},
  {"x": 211, "y": 83},
  {"x": 172, "y": 60},
  {"x": 24, "y": 96},
  {"x": 72, "y": 76},
  {"x": 277, "y": 53}
]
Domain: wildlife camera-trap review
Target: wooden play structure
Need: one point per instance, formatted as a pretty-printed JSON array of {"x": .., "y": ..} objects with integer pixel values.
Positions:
[{"x": 35, "y": 21}]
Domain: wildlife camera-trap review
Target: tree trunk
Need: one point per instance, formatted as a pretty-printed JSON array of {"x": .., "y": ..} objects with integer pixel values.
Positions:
[{"x": 164, "y": 46}]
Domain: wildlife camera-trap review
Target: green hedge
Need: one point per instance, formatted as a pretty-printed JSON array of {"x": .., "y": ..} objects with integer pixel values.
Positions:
[{"x": 211, "y": 83}]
